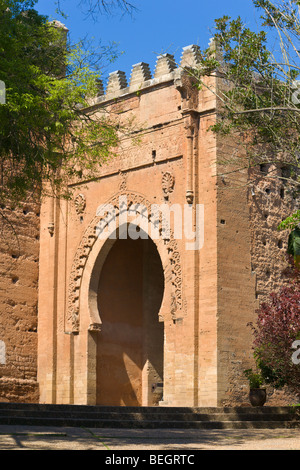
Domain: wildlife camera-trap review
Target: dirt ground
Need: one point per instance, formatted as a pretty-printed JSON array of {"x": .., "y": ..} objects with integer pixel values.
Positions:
[{"x": 38, "y": 438}]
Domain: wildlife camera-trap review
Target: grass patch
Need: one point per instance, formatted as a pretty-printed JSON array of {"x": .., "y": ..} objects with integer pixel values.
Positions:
[{"x": 97, "y": 437}]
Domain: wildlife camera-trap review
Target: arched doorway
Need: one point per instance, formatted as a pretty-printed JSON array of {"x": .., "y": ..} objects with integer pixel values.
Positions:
[{"x": 129, "y": 367}]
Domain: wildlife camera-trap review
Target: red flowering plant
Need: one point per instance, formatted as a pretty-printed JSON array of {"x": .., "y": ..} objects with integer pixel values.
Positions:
[{"x": 276, "y": 331}]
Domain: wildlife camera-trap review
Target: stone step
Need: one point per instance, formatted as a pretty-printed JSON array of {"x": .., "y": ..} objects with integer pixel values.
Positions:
[
  {"x": 134, "y": 416},
  {"x": 145, "y": 409},
  {"x": 148, "y": 417},
  {"x": 131, "y": 424}
]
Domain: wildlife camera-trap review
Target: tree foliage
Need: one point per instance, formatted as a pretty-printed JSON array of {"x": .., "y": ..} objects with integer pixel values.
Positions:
[
  {"x": 260, "y": 96},
  {"x": 275, "y": 333},
  {"x": 93, "y": 7},
  {"x": 47, "y": 132}
]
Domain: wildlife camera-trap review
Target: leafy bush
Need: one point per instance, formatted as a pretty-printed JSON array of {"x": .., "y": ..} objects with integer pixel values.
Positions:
[{"x": 277, "y": 328}]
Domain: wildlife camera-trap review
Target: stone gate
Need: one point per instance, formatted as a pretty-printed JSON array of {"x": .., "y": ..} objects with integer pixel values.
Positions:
[{"x": 131, "y": 311}]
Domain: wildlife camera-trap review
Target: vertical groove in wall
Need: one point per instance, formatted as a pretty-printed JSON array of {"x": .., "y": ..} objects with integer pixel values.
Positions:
[
  {"x": 55, "y": 286},
  {"x": 72, "y": 369},
  {"x": 71, "y": 337},
  {"x": 196, "y": 265}
]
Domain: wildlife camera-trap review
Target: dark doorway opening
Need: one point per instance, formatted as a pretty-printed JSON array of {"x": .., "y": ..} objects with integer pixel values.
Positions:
[{"x": 130, "y": 344}]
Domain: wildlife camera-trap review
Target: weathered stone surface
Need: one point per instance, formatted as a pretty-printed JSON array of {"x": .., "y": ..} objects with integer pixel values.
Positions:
[
  {"x": 116, "y": 82},
  {"x": 140, "y": 73},
  {"x": 165, "y": 64},
  {"x": 19, "y": 256},
  {"x": 190, "y": 57}
]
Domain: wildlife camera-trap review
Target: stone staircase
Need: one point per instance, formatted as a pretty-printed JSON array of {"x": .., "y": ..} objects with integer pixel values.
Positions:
[{"x": 148, "y": 417}]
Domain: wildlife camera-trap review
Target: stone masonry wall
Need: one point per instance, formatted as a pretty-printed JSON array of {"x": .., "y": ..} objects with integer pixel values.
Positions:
[
  {"x": 19, "y": 256},
  {"x": 270, "y": 201},
  {"x": 252, "y": 262}
]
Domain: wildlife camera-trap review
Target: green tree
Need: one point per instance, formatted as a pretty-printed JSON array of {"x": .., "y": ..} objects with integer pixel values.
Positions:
[
  {"x": 260, "y": 94},
  {"x": 47, "y": 132},
  {"x": 95, "y": 7}
]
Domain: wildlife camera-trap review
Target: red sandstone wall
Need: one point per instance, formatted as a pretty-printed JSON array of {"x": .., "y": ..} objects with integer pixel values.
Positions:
[
  {"x": 207, "y": 344},
  {"x": 19, "y": 253},
  {"x": 236, "y": 282}
]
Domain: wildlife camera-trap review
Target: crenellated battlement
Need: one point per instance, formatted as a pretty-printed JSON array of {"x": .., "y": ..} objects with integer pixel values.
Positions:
[{"x": 166, "y": 69}]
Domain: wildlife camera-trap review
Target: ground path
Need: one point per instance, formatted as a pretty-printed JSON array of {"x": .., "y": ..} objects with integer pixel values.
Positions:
[{"x": 50, "y": 438}]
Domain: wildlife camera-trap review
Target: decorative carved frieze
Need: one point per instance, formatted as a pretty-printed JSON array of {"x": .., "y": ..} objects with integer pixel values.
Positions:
[
  {"x": 123, "y": 181},
  {"x": 72, "y": 321}
]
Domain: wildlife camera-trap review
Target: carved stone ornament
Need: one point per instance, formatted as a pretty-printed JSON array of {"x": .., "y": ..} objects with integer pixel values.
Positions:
[
  {"x": 80, "y": 203},
  {"x": 189, "y": 196},
  {"x": 72, "y": 320},
  {"x": 168, "y": 182},
  {"x": 51, "y": 228},
  {"x": 123, "y": 182}
]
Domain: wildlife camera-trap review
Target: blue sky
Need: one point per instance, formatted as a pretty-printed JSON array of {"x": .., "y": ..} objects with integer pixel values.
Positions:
[{"x": 157, "y": 26}]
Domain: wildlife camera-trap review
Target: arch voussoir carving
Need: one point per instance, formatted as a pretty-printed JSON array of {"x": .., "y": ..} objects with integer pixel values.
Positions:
[{"x": 167, "y": 248}]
